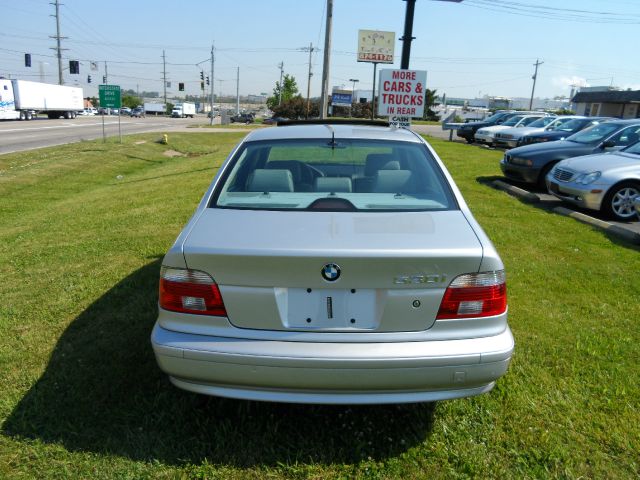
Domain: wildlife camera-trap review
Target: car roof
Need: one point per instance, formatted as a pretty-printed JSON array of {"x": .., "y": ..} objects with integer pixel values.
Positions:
[
  {"x": 344, "y": 131},
  {"x": 626, "y": 121}
]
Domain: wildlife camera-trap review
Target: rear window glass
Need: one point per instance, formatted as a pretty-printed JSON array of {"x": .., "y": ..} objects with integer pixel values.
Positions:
[{"x": 365, "y": 175}]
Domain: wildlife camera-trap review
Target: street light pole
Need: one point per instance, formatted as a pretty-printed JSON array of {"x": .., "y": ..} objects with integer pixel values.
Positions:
[{"x": 353, "y": 92}]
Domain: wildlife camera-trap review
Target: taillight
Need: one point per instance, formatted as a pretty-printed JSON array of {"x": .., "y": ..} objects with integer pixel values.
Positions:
[
  {"x": 475, "y": 295},
  {"x": 190, "y": 291}
]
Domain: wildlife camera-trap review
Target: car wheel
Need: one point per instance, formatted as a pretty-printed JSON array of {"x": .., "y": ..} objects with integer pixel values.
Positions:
[
  {"x": 469, "y": 140},
  {"x": 618, "y": 202}
]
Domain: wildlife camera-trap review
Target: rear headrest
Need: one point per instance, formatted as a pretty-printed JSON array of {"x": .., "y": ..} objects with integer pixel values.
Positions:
[
  {"x": 333, "y": 184},
  {"x": 393, "y": 181},
  {"x": 292, "y": 166},
  {"x": 376, "y": 161},
  {"x": 270, "y": 180}
]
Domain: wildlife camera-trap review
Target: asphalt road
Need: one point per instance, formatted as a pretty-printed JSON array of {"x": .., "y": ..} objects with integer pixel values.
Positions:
[{"x": 17, "y": 136}]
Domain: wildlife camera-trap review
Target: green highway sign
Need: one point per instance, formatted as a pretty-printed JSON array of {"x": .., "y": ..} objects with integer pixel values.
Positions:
[{"x": 110, "y": 96}]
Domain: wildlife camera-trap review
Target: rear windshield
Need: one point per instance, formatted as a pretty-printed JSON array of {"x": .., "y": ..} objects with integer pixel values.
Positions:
[{"x": 318, "y": 174}]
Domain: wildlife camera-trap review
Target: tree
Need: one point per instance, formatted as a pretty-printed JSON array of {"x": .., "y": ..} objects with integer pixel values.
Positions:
[
  {"x": 289, "y": 90},
  {"x": 361, "y": 110},
  {"x": 131, "y": 101},
  {"x": 296, "y": 108},
  {"x": 429, "y": 101}
]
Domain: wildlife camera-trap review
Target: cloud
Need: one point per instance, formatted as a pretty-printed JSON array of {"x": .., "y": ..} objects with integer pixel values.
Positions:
[{"x": 568, "y": 82}]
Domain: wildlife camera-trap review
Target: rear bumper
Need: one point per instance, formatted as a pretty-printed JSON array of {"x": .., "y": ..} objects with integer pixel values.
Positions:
[{"x": 310, "y": 372}]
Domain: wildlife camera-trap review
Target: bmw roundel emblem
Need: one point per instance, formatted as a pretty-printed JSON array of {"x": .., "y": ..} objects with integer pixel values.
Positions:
[{"x": 330, "y": 272}]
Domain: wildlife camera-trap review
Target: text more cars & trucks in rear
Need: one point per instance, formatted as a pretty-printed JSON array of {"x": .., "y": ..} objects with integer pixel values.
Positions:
[
  {"x": 531, "y": 163},
  {"x": 333, "y": 263}
]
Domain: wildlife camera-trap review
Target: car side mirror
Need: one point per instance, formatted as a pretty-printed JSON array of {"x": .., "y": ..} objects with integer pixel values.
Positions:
[{"x": 609, "y": 144}]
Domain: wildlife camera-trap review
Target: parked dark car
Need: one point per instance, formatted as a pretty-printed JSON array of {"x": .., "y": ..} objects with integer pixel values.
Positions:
[
  {"x": 273, "y": 120},
  {"x": 531, "y": 163},
  {"x": 242, "y": 118},
  {"x": 562, "y": 131},
  {"x": 468, "y": 130},
  {"x": 137, "y": 112}
]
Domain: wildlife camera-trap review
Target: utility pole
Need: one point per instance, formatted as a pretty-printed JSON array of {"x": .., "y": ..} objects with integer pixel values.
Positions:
[
  {"x": 353, "y": 92},
  {"x": 106, "y": 73},
  {"x": 326, "y": 61},
  {"x": 535, "y": 76},
  {"x": 311, "y": 50},
  {"x": 58, "y": 48},
  {"x": 164, "y": 76},
  {"x": 238, "y": 91},
  {"x": 281, "y": 67},
  {"x": 212, "y": 81},
  {"x": 407, "y": 38}
]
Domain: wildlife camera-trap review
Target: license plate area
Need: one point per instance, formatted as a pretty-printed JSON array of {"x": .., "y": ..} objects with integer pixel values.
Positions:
[{"x": 331, "y": 309}]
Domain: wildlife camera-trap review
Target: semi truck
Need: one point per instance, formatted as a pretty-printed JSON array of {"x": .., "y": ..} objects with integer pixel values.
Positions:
[
  {"x": 155, "y": 108},
  {"x": 22, "y": 99},
  {"x": 182, "y": 110}
]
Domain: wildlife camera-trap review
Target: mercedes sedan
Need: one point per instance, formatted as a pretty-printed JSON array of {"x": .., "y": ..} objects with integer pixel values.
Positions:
[
  {"x": 333, "y": 263},
  {"x": 608, "y": 182}
]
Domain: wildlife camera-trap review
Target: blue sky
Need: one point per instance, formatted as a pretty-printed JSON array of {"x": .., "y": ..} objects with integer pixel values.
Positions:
[{"x": 469, "y": 49}]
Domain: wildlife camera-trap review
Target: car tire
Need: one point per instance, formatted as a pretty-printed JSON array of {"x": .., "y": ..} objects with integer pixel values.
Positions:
[
  {"x": 618, "y": 202},
  {"x": 469, "y": 140}
]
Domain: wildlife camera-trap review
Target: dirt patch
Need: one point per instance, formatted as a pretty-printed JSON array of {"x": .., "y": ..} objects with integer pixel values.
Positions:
[
  {"x": 173, "y": 153},
  {"x": 140, "y": 142}
]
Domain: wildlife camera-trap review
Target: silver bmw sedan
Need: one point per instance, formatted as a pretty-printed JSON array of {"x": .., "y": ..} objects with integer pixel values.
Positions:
[{"x": 335, "y": 264}]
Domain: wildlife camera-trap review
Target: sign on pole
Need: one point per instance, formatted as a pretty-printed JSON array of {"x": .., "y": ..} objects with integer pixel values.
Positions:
[
  {"x": 375, "y": 46},
  {"x": 341, "y": 98},
  {"x": 109, "y": 96},
  {"x": 402, "y": 95}
]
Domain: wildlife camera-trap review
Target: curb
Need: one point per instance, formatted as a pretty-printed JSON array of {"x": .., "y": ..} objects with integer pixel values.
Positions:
[
  {"x": 515, "y": 191},
  {"x": 601, "y": 224},
  {"x": 529, "y": 197}
]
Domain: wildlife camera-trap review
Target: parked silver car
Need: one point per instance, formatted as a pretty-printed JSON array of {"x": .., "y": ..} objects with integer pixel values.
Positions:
[
  {"x": 333, "y": 263},
  {"x": 487, "y": 134},
  {"x": 608, "y": 182}
]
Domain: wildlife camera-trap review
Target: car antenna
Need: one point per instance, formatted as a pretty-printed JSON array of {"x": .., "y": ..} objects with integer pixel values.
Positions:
[{"x": 333, "y": 137}]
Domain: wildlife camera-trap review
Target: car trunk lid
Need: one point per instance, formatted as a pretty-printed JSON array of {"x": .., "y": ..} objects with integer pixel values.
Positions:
[{"x": 392, "y": 268}]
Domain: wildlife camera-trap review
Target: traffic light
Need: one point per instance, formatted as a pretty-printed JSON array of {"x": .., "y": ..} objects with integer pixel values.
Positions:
[
  {"x": 88, "y": 78},
  {"x": 181, "y": 86},
  {"x": 201, "y": 85},
  {"x": 207, "y": 80},
  {"x": 104, "y": 79},
  {"x": 27, "y": 59},
  {"x": 74, "y": 67},
  {"x": 201, "y": 75}
]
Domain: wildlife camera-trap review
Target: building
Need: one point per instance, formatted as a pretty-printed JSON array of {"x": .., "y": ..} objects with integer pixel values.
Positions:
[{"x": 607, "y": 103}]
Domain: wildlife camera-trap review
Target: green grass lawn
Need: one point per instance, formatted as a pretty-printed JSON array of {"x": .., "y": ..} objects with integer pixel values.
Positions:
[{"x": 83, "y": 231}]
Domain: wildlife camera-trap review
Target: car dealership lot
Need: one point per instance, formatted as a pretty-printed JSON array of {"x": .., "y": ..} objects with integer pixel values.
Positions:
[{"x": 86, "y": 225}]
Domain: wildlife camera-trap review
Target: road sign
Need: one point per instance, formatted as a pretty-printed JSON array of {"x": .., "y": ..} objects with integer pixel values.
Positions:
[
  {"x": 110, "y": 96},
  {"x": 341, "y": 98},
  {"x": 375, "y": 46},
  {"x": 402, "y": 94}
]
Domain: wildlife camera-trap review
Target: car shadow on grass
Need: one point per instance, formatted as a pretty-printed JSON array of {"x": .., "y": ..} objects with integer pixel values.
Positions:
[{"x": 102, "y": 392}]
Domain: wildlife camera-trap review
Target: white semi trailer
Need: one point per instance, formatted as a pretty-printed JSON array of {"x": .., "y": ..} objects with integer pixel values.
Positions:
[
  {"x": 21, "y": 99},
  {"x": 151, "y": 108}
]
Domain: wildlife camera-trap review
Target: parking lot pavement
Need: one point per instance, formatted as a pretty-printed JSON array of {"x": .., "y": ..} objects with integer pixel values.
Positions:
[{"x": 437, "y": 132}]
